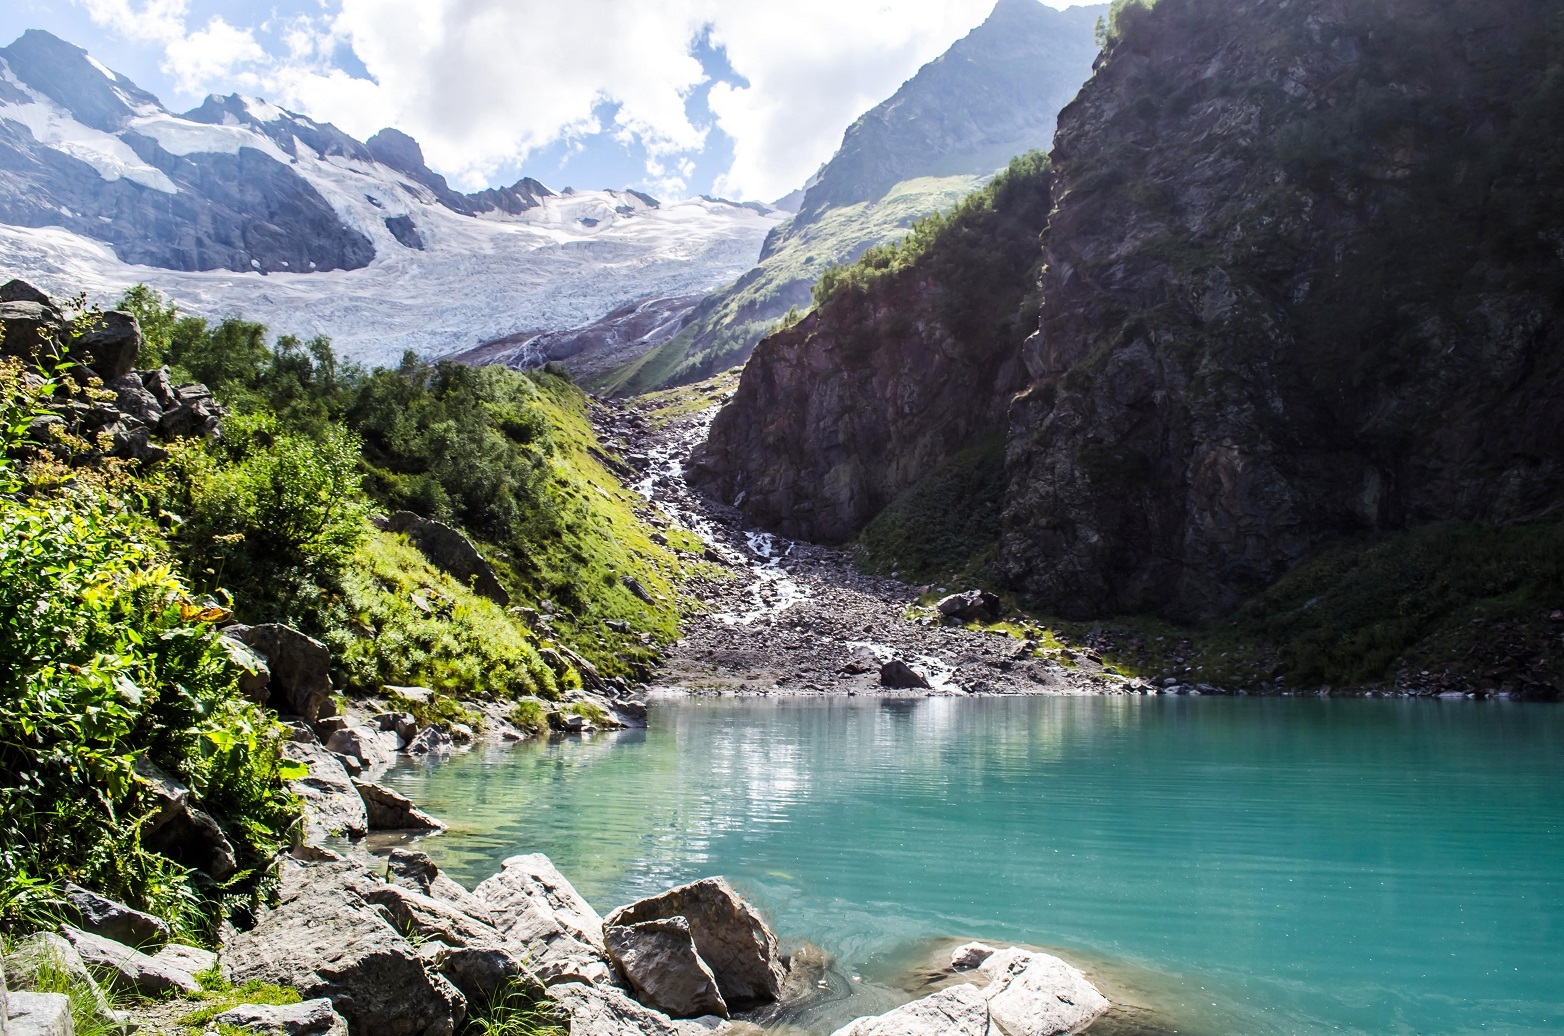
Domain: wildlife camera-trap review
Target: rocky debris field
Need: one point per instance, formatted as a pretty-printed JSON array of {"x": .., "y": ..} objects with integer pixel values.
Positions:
[{"x": 780, "y": 616}]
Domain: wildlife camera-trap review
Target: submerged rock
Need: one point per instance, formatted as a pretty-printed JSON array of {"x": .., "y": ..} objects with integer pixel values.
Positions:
[{"x": 1035, "y": 994}]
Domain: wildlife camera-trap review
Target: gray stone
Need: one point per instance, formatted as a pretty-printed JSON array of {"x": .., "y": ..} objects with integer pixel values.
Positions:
[
  {"x": 898, "y": 675},
  {"x": 132, "y": 397},
  {"x": 484, "y": 973},
  {"x": 300, "y": 667},
  {"x": 38, "y": 1014},
  {"x": 729, "y": 935},
  {"x": 1035, "y": 994},
  {"x": 363, "y": 743},
  {"x": 192, "y": 960},
  {"x": 971, "y": 606},
  {"x": 957, "y": 1011},
  {"x": 605, "y": 1011},
  {"x": 332, "y": 805},
  {"x": 391, "y": 811},
  {"x": 451, "y": 552},
  {"x": 533, "y": 905},
  {"x": 430, "y": 741},
  {"x": 161, "y": 385},
  {"x": 416, "y": 871},
  {"x": 426, "y": 918},
  {"x": 310, "y": 1018},
  {"x": 590, "y": 971},
  {"x": 48, "y": 950},
  {"x": 255, "y": 675},
  {"x": 325, "y": 940},
  {"x": 659, "y": 960},
  {"x": 102, "y": 916},
  {"x": 126, "y": 969},
  {"x": 111, "y": 345}
]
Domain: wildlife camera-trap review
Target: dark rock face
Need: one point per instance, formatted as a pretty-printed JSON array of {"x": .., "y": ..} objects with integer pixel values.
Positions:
[
  {"x": 450, "y": 552},
  {"x": 1301, "y": 282},
  {"x": 300, "y": 667}
]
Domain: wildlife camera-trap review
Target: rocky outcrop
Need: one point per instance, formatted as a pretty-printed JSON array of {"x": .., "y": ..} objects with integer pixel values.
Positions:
[
  {"x": 1281, "y": 304},
  {"x": 730, "y": 937},
  {"x": 660, "y": 961},
  {"x": 388, "y": 810},
  {"x": 332, "y": 805},
  {"x": 310, "y": 1018},
  {"x": 899, "y": 676},
  {"x": 450, "y": 552},
  {"x": 37, "y": 1014},
  {"x": 102, "y": 916},
  {"x": 300, "y": 667},
  {"x": 416, "y": 871},
  {"x": 533, "y": 904}
]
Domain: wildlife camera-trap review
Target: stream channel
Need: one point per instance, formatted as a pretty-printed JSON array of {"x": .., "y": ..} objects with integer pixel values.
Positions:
[{"x": 1221, "y": 865}]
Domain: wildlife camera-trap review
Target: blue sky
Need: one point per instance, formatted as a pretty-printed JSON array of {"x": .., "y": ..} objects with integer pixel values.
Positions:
[{"x": 742, "y": 98}]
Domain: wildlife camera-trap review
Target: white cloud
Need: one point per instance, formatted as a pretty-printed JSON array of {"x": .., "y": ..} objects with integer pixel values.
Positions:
[{"x": 483, "y": 83}]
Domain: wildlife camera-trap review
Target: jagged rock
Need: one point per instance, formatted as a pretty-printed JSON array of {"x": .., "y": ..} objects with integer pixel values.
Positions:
[
  {"x": 310, "y": 1018},
  {"x": 111, "y": 345},
  {"x": 192, "y": 960},
  {"x": 254, "y": 674},
  {"x": 135, "y": 444},
  {"x": 957, "y": 1011},
  {"x": 605, "y": 1011},
  {"x": 533, "y": 905},
  {"x": 589, "y": 971},
  {"x": 132, "y": 398},
  {"x": 402, "y": 724},
  {"x": 969, "y": 955},
  {"x": 37, "y": 1014},
  {"x": 972, "y": 606},
  {"x": 332, "y": 805},
  {"x": 325, "y": 940},
  {"x": 300, "y": 667},
  {"x": 729, "y": 935},
  {"x": 126, "y": 969},
  {"x": 180, "y": 830},
  {"x": 194, "y": 414},
  {"x": 416, "y": 871},
  {"x": 99, "y": 915},
  {"x": 1035, "y": 994},
  {"x": 659, "y": 960},
  {"x": 898, "y": 675},
  {"x": 18, "y": 290},
  {"x": 388, "y": 810},
  {"x": 421, "y": 695},
  {"x": 634, "y": 586},
  {"x": 161, "y": 384},
  {"x": 483, "y": 973},
  {"x": 451, "y": 552},
  {"x": 31, "y": 331},
  {"x": 428, "y": 918},
  {"x": 430, "y": 741},
  {"x": 48, "y": 950},
  {"x": 363, "y": 743}
]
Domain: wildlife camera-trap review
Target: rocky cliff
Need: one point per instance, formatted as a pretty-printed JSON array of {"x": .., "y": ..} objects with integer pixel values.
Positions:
[
  {"x": 1302, "y": 281},
  {"x": 912, "y": 356}
]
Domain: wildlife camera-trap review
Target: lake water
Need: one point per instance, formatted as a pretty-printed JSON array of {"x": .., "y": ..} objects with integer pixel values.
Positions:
[{"x": 1249, "y": 865}]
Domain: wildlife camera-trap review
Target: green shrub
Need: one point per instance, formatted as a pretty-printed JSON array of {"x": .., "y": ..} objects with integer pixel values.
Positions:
[{"x": 530, "y": 715}]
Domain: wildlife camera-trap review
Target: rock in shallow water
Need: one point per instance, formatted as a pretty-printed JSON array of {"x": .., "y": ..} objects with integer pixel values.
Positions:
[
  {"x": 659, "y": 959},
  {"x": 957, "y": 1011}
]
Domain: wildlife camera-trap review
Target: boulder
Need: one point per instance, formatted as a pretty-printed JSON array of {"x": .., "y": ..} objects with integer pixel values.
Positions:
[
  {"x": 430, "y": 741},
  {"x": 31, "y": 331},
  {"x": 450, "y": 552},
  {"x": 605, "y": 1011},
  {"x": 729, "y": 935},
  {"x": 659, "y": 960},
  {"x": 192, "y": 960},
  {"x": 255, "y": 676},
  {"x": 416, "y": 871},
  {"x": 18, "y": 290},
  {"x": 129, "y": 443},
  {"x": 310, "y": 1018},
  {"x": 161, "y": 384},
  {"x": 98, "y": 915},
  {"x": 110, "y": 346},
  {"x": 332, "y": 805},
  {"x": 179, "y": 830},
  {"x": 427, "y": 918},
  {"x": 589, "y": 971},
  {"x": 194, "y": 414},
  {"x": 324, "y": 940},
  {"x": 126, "y": 969},
  {"x": 1035, "y": 994},
  {"x": 483, "y": 973},
  {"x": 957, "y": 1011},
  {"x": 972, "y": 606},
  {"x": 402, "y": 724},
  {"x": 969, "y": 955},
  {"x": 363, "y": 743},
  {"x": 391, "y": 811},
  {"x": 898, "y": 675},
  {"x": 46, "y": 950},
  {"x": 132, "y": 397},
  {"x": 533, "y": 905},
  {"x": 37, "y": 1014},
  {"x": 300, "y": 667}
]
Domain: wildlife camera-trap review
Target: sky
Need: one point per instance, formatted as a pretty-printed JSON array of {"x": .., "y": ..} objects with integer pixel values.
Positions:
[{"x": 742, "y": 99}]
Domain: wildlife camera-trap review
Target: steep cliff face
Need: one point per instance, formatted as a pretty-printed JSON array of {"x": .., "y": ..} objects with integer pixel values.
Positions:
[
  {"x": 1303, "y": 280},
  {"x": 911, "y": 356}
]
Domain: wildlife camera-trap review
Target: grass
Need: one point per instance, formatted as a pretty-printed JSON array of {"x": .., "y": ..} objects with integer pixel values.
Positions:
[
  {"x": 746, "y": 311},
  {"x": 87, "y": 1004},
  {"x": 219, "y": 996},
  {"x": 518, "y": 1010},
  {"x": 665, "y": 406},
  {"x": 593, "y": 714},
  {"x": 530, "y": 715}
]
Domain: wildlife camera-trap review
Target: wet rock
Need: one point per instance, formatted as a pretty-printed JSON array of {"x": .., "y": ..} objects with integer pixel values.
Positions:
[
  {"x": 332, "y": 805},
  {"x": 1035, "y": 994},
  {"x": 969, "y": 955},
  {"x": 533, "y": 905},
  {"x": 125, "y": 969},
  {"x": 325, "y": 940},
  {"x": 898, "y": 675},
  {"x": 729, "y": 935},
  {"x": 310, "y": 1018},
  {"x": 659, "y": 959},
  {"x": 300, "y": 667},
  {"x": 98, "y": 915},
  {"x": 957, "y": 1011},
  {"x": 450, "y": 552},
  {"x": 972, "y": 606}
]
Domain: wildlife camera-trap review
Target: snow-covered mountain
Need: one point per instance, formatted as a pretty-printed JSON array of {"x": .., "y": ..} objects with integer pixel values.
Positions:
[{"x": 241, "y": 207}]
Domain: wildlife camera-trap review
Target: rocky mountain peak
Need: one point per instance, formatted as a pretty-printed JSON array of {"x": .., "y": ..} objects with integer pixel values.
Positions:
[
  {"x": 396, "y": 149},
  {"x": 64, "y": 73}
]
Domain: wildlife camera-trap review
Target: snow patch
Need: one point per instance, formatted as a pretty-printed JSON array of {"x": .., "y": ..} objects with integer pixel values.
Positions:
[
  {"x": 182, "y": 137},
  {"x": 110, "y": 156}
]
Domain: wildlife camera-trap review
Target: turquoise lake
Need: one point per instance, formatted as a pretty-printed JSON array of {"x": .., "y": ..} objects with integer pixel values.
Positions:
[{"x": 1225, "y": 865}]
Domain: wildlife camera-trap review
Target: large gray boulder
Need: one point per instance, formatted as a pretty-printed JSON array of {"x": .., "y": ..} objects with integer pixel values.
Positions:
[
  {"x": 426, "y": 918},
  {"x": 30, "y": 331},
  {"x": 957, "y": 1011},
  {"x": 99, "y": 915},
  {"x": 325, "y": 940},
  {"x": 450, "y": 552},
  {"x": 533, "y": 905},
  {"x": 392, "y": 811},
  {"x": 332, "y": 805},
  {"x": 125, "y": 969},
  {"x": 310, "y": 1018},
  {"x": 364, "y": 743},
  {"x": 300, "y": 667},
  {"x": 49, "y": 951},
  {"x": 414, "y": 870},
  {"x": 37, "y": 1014},
  {"x": 729, "y": 935},
  {"x": 483, "y": 973},
  {"x": 605, "y": 1011},
  {"x": 110, "y": 346},
  {"x": 1035, "y": 994},
  {"x": 659, "y": 960}
]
